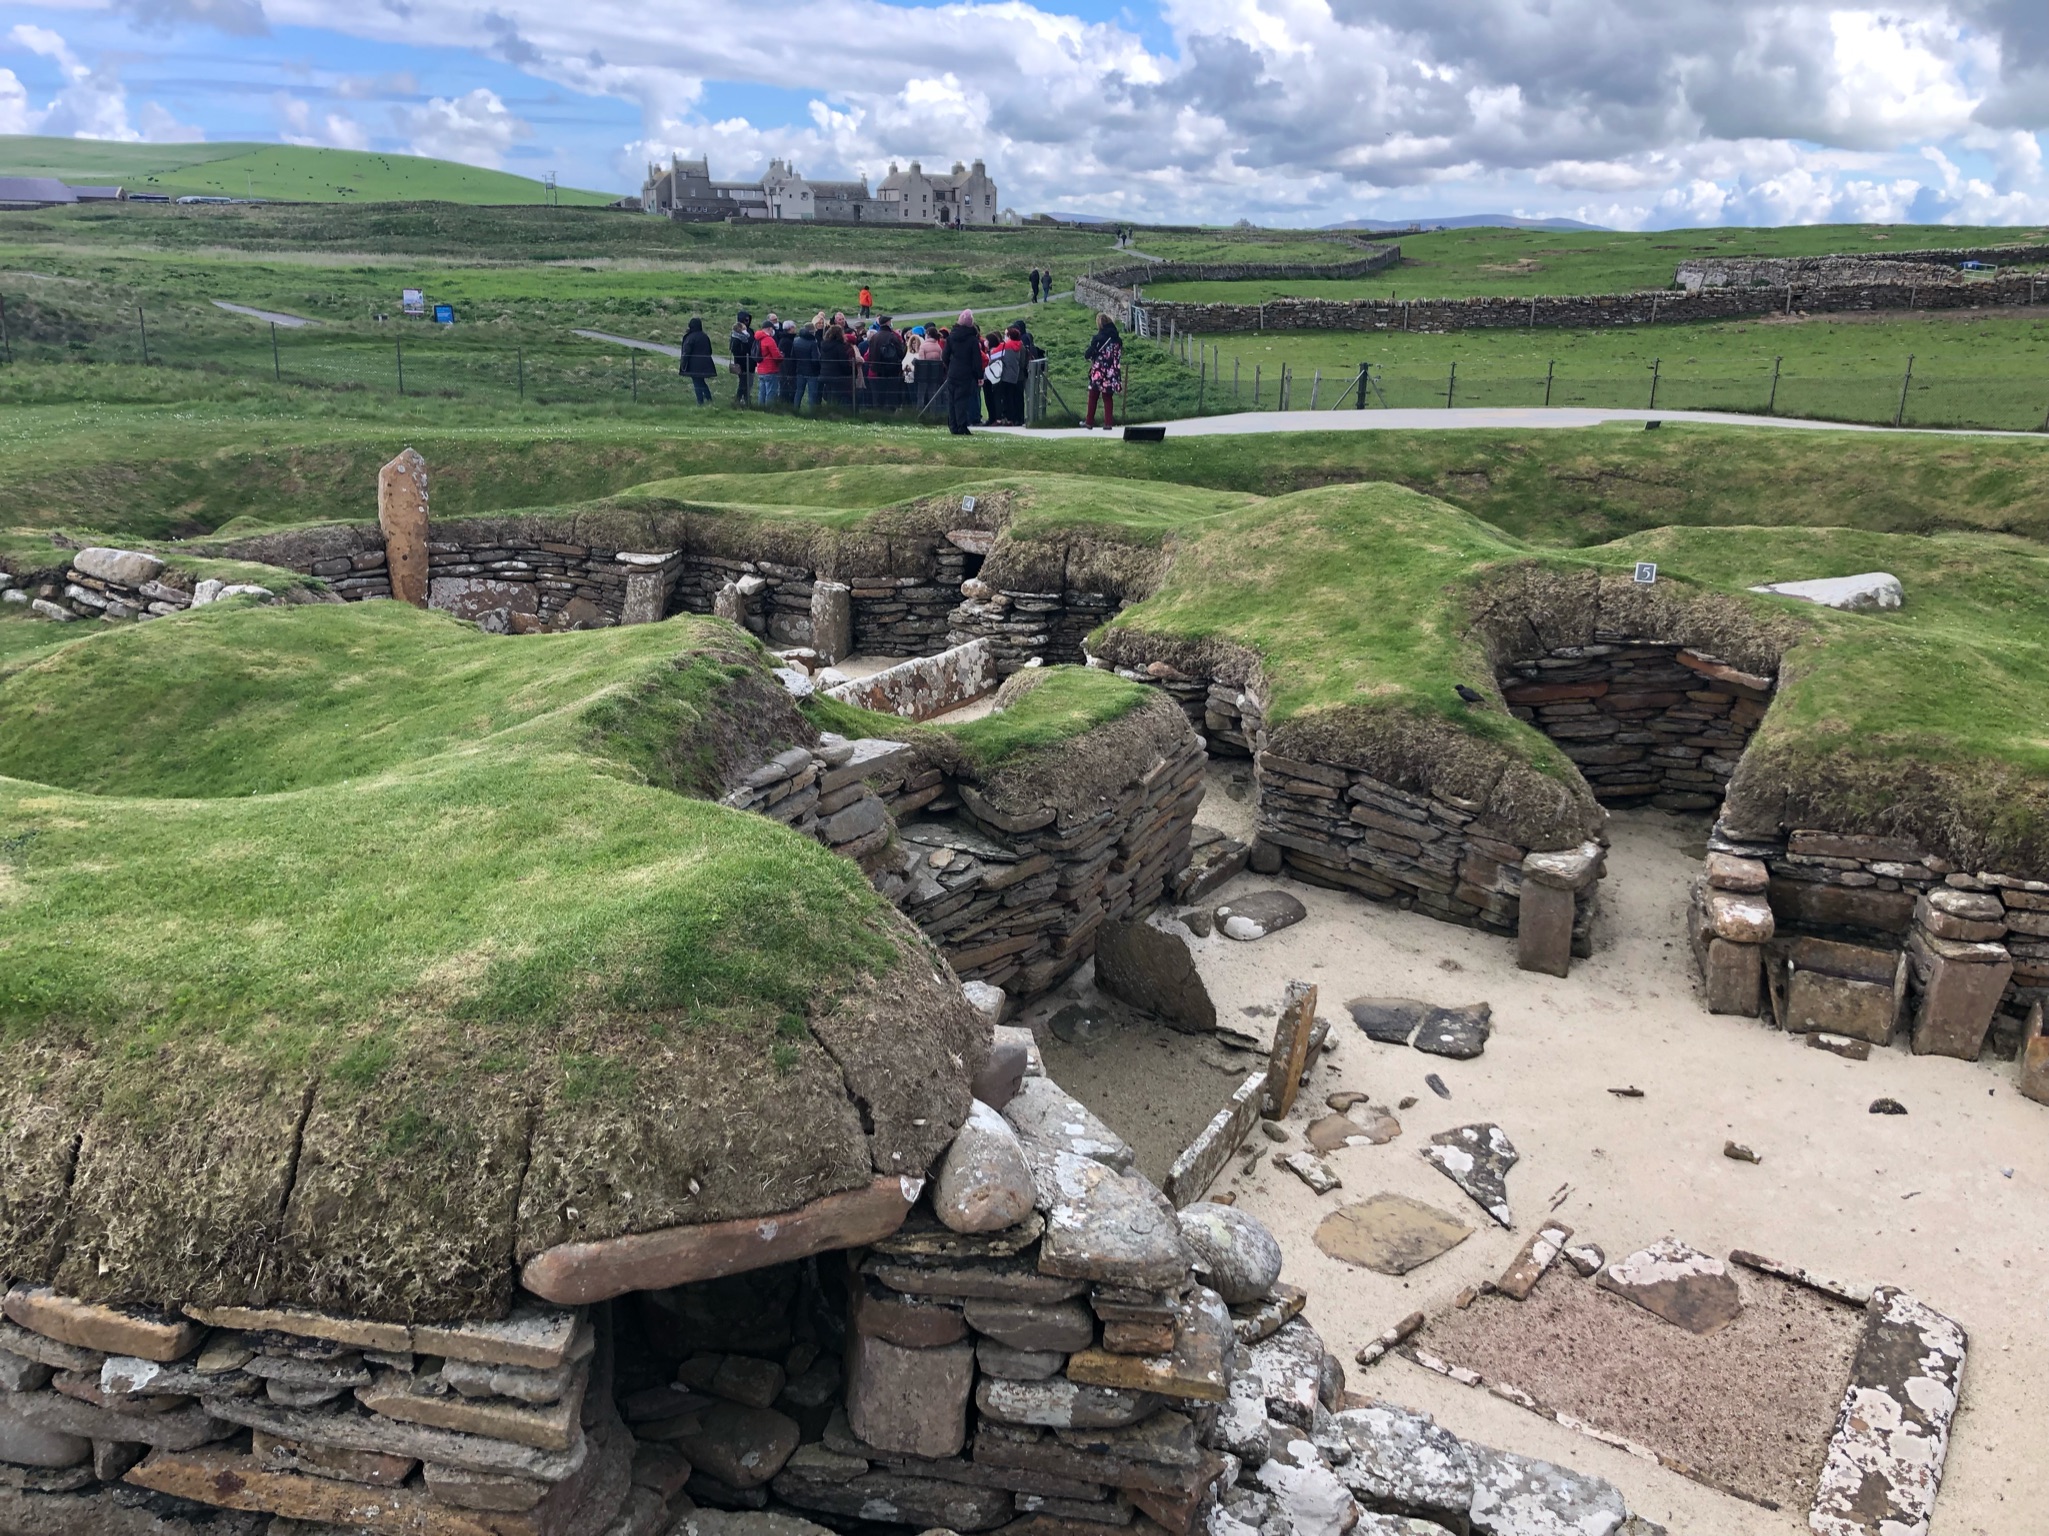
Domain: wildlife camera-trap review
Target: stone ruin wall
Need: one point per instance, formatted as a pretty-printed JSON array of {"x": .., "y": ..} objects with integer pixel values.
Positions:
[
  {"x": 1642, "y": 721},
  {"x": 1865, "y": 266},
  {"x": 1590, "y": 311}
]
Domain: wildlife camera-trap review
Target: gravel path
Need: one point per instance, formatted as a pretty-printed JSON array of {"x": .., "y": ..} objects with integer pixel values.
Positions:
[{"x": 274, "y": 316}]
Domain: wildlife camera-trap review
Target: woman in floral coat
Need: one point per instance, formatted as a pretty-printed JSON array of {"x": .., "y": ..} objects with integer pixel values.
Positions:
[{"x": 1105, "y": 358}]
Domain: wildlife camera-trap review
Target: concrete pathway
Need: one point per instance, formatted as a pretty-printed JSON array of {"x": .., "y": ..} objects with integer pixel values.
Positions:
[
  {"x": 1488, "y": 418},
  {"x": 274, "y": 316},
  {"x": 645, "y": 346}
]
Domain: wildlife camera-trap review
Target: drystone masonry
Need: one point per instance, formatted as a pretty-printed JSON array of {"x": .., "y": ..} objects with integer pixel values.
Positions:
[
  {"x": 1871, "y": 937},
  {"x": 925, "y": 686},
  {"x": 1865, "y": 267},
  {"x": 121, "y": 584},
  {"x": 1113, "y": 291},
  {"x": 1594, "y": 310},
  {"x": 1019, "y": 625},
  {"x": 1643, "y": 722}
]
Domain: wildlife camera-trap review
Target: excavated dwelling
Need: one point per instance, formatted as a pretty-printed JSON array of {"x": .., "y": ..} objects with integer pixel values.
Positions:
[{"x": 841, "y": 1251}]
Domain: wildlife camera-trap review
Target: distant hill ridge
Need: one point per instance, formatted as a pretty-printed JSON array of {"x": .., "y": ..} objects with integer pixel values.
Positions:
[{"x": 276, "y": 172}]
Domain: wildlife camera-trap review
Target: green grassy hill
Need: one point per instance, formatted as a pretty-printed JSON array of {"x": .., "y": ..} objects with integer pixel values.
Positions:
[{"x": 280, "y": 172}]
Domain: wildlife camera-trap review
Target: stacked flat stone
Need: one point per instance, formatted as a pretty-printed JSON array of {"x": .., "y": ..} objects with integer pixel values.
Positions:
[
  {"x": 491, "y": 1428},
  {"x": 122, "y": 584},
  {"x": 1642, "y": 722},
  {"x": 1729, "y": 922},
  {"x": 833, "y": 792},
  {"x": 1976, "y": 943},
  {"x": 1056, "y": 1376},
  {"x": 1015, "y": 895},
  {"x": 1020, "y": 626}
]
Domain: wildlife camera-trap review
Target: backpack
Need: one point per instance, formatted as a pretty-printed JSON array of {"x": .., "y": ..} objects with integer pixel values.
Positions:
[{"x": 1013, "y": 366}]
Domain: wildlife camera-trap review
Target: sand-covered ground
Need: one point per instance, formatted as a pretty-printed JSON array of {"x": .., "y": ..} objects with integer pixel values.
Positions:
[{"x": 1950, "y": 1201}]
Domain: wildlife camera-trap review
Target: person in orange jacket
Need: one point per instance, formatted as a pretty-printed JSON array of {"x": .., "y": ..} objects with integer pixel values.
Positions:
[{"x": 867, "y": 301}]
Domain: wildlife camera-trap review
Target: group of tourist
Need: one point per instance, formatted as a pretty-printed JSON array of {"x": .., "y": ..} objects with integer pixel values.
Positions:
[{"x": 870, "y": 365}]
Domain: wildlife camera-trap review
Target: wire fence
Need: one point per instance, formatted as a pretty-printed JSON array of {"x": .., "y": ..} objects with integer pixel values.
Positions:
[
  {"x": 416, "y": 363},
  {"x": 1912, "y": 396},
  {"x": 1184, "y": 375}
]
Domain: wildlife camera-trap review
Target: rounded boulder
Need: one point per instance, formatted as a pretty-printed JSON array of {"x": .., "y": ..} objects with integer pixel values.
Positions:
[
  {"x": 984, "y": 1184},
  {"x": 1242, "y": 1257}
]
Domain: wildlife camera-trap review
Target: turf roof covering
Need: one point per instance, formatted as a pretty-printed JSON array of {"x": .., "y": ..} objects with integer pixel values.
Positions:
[{"x": 358, "y": 904}]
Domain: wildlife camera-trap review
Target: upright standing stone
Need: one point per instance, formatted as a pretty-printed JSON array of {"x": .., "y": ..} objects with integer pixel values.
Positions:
[
  {"x": 1290, "y": 1048},
  {"x": 832, "y": 620},
  {"x": 2033, "y": 1078},
  {"x": 402, "y": 514},
  {"x": 1546, "y": 908},
  {"x": 1965, "y": 984},
  {"x": 648, "y": 580},
  {"x": 730, "y": 603}
]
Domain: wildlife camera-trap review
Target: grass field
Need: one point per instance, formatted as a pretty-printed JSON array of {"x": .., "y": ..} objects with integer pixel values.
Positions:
[
  {"x": 278, "y": 172},
  {"x": 1466, "y": 263},
  {"x": 1988, "y": 368}
]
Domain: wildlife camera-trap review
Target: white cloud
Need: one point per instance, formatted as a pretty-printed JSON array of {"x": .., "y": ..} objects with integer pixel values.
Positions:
[
  {"x": 336, "y": 130},
  {"x": 476, "y": 128},
  {"x": 160, "y": 126},
  {"x": 1303, "y": 110},
  {"x": 15, "y": 116}
]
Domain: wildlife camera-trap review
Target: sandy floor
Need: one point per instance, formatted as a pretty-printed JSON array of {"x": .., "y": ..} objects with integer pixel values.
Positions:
[{"x": 1950, "y": 1200}]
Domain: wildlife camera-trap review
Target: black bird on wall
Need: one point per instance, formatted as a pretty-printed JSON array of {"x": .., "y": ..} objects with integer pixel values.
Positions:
[{"x": 1470, "y": 695}]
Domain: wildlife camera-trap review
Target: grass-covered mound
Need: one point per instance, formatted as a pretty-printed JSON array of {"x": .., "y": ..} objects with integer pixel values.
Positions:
[
  {"x": 1364, "y": 607},
  {"x": 352, "y": 955}
]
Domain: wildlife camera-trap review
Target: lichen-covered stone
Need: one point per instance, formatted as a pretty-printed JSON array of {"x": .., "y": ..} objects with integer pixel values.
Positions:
[{"x": 1240, "y": 1256}]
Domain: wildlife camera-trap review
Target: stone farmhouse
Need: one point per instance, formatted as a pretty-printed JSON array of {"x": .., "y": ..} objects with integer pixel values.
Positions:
[{"x": 685, "y": 190}]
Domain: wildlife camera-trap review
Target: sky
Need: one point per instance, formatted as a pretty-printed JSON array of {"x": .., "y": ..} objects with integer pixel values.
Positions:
[{"x": 1633, "y": 114}]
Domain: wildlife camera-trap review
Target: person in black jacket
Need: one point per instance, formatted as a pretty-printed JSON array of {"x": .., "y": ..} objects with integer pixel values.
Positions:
[
  {"x": 697, "y": 364},
  {"x": 886, "y": 365},
  {"x": 963, "y": 373},
  {"x": 800, "y": 364},
  {"x": 741, "y": 341}
]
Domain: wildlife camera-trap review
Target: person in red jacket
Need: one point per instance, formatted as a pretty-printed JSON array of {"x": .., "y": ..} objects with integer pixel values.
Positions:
[
  {"x": 867, "y": 301},
  {"x": 768, "y": 365}
]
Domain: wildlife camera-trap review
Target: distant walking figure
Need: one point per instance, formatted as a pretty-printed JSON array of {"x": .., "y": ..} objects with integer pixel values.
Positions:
[
  {"x": 1035, "y": 285},
  {"x": 867, "y": 301},
  {"x": 964, "y": 364},
  {"x": 1106, "y": 370},
  {"x": 1046, "y": 285},
  {"x": 697, "y": 364}
]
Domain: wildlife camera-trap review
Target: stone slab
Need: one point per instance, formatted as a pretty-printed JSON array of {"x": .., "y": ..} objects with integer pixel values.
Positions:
[
  {"x": 1044, "y": 1112},
  {"x": 553, "y": 1427},
  {"x": 1477, "y": 1159},
  {"x": 1404, "y": 1463},
  {"x": 179, "y": 1429},
  {"x": 1290, "y": 1051},
  {"x": 1958, "y": 1001},
  {"x": 1390, "y": 1234},
  {"x": 1885, "y": 1460},
  {"x": 349, "y": 1430},
  {"x": 376, "y": 1468},
  {"x": 576, "y": 1273},
  {"x": 1678, "y": 1283},
  {"x": 1543, "y": 934},
  {"x": 1063, "y": 1326},
  {"x": 1258, "y": 1320},
  {"x": 893, "y": 1499},
  {"x": 1536, "y": 1255},
  {"x": 111, "y": 1330},
  {"x": 907, "y": 1322},
  {"x": 1152, "y": 969},
  {"x": 357, "y": 1333},
  {"x": 1841, "y": 1005},
  {"x": 1061, "y": 1404},
  {"x": 1195, "y": 1369},
  {"x": 1521, "y": 1496},
  {"x": 1874, "y": 590},
  {"x": 999, "y": 1280},
  {"x": 1101, "y": 1225},
  {"x": 1205, "y": 1157}
]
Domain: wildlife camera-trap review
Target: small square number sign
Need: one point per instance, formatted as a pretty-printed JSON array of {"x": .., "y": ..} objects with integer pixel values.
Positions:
[
  {"x": 1646, "y": 572},
  {"x": 967, "y": 503}
]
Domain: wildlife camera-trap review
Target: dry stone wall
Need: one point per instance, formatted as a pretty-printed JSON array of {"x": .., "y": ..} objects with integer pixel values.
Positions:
[
  {"x": 1865, "y": 267},
  {"x": 1643, "y": 722},
  {"x": 1594, "y": 310},
  {"x": 122, "y": 584},
  {"x": 1976, "y": 942}
]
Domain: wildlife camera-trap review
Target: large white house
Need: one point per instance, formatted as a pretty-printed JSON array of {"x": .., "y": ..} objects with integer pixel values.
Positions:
[{"x": 685, "y": 190}]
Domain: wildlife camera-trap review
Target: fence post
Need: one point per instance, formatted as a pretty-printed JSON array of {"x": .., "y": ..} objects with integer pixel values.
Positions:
[
  {"x": 1771, "y": 406},
  {"x": 1315, "y": 385},
  {"x": 633, "y": 369},
  {"x": 520, "y": 354},
  {"x": 1900, "y": 415},
  {"x": 1234, "y": 380},
  {"x": 1360, "y": 404},
  {"x": 1451, "y": 386},
  {"x": 277, "y": 373},
  {"x": 6, "y": 341},
  {"x": 143, "y": 326},
  {"x": 1656, "y": 364},
  {"x": 1255, "y": 385},
  {"x": 400, "y": 348},
  {"x": 1550, "y": 370}
]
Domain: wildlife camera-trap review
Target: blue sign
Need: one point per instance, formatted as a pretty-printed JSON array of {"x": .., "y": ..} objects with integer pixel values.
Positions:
[{"x": 444, "y": 314}]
